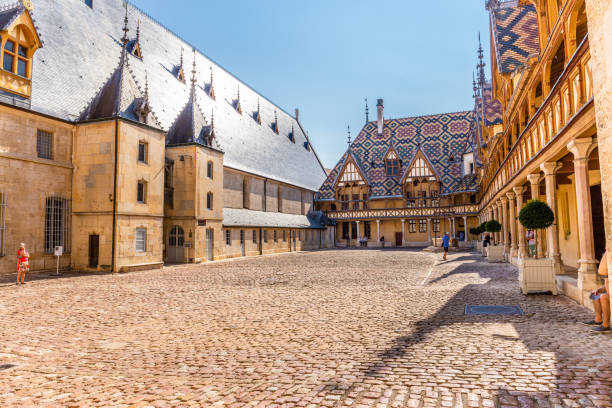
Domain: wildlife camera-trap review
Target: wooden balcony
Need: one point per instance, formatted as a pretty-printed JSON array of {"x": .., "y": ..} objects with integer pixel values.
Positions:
[
  {"x": 414, "y": 212},
  {"x": 572, "y": 93}
]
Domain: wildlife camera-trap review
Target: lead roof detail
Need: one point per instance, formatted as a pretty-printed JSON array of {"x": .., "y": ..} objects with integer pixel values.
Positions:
[
  {"x": 80, "y": 54},
  {"x": 439, "y": 137}
]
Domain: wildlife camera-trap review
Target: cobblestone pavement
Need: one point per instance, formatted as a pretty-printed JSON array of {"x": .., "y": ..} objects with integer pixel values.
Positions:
[{"x": 347, "y": 328}]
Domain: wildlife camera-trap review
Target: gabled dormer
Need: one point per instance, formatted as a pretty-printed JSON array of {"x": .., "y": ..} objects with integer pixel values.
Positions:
[
  {"x": 20, "y": 40},
  {"x": 392, "y": 163},
  {"x": 134, "y": 45},
  {"x": 421, "y": 182},
  {"x": 351, "y": 173},
  {"x": 179, "y": 72},
  {"x": 421, "y": 170}
]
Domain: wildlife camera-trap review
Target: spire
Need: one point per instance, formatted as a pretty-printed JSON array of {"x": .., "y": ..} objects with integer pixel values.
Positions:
[
  {"x": 292, "y": 134},
  {"x": 367, "y": 110},
  {"x": 474, "y": 86},
  {"x": 211, "y": 89},
  {"x": 275, "y": 125},
  {"x": 193, "y": 73},
  {"x": 124, "y": 39},
  {"x": 211, "y": 134},
  {"x": 138, "y": 32},
  {"x": 481, "y": 64},
  {"x": 180, "y": 74},
  {"x": 237, "y": 103},
  {"x": 258, "y": 113},
  {"x": 348, "y": 130}
]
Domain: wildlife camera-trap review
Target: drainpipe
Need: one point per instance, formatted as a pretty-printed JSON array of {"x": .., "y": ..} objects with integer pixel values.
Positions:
[{"x": 115, "y": 195}]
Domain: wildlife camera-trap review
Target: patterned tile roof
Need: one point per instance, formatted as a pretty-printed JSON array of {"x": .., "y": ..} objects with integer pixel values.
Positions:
[
  {"x": 82, "y": 49},
  {"x": 515, "y": 30},
  {"x": 492, "y": 108},
  {"x": 438, "y": 136}
]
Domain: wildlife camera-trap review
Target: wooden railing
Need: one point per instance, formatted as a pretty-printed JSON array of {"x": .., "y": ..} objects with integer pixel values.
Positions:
[
  {"x": 569, "y": 95},
  {"x": 416, "y": 212}
]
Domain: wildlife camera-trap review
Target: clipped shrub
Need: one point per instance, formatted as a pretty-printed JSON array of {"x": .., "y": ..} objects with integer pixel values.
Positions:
[
  {"x": 493, "y": 226},
  {"x": 536, "y": 215}
]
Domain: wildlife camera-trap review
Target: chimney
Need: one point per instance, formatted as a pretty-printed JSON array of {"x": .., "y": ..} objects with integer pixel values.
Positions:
[
  {"x": 381, "y": 118},
  {"x": 297, "y": 114}
]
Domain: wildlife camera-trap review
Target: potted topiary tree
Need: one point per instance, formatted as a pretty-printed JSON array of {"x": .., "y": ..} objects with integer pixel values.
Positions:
[
  {"x": 476, "y": 231},
  {"x": 495, "y": 253},
  {"x": 537, "y": 274}
]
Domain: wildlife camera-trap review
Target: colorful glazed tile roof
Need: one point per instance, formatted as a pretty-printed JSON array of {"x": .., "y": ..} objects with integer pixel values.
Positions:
[
  {"x": 515, "y": 34},
  {"x": 439, "y": 137},
  {"x": 492, "y": 108}
]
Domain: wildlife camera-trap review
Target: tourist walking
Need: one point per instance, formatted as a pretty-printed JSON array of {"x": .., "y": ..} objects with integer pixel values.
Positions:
[
  {"x": 445, "y": 244},
  {"x": 23, "y": 263}
]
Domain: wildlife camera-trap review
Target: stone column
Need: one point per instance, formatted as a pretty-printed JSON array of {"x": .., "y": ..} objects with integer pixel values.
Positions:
[
  {"x": 454, "y": 228},
  {"x": 550, "y": 171},
  {"x": 505, "y": 224},
  {"x": 429, "y": 231},
  {"x": 534, "y": 181},
  {"x": 512, "y": 220},
  {"x": 466, "y": 230},
  {"x": 496, "y": 209},
  {"x": 587, "y": 270},
  {"x": 403, "y": 233},
  {"x": 358, "y": 234},
  {"x": 522, "y": 243},
  {"x": 378, "y": 232}
]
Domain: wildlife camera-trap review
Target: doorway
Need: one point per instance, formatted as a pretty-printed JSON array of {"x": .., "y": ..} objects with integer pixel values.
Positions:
[
  {"x": 599, "y": 232},
  {"x": 210, "y": 235},
  {"x": 94, "y": 251},
  {"x": 176, "y": 240},
  {"x": 242, "y": 243},
  {"x": 398, "y": 239}
]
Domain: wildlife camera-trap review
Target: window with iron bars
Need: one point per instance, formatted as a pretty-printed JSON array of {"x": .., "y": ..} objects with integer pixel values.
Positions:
[
  {"x": 57, "y": 223},
  {"x": 3, "y": 206},
  {"x": 44, "y": 145}
]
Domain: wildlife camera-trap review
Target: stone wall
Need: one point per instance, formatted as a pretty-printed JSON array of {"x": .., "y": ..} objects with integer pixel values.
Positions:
[
  {"x": 599, "y": 13},
  {"x": 27, "y": 180}
]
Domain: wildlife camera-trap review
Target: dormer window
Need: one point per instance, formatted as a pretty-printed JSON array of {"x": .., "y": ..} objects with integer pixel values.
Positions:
[
  {"x": 392, "y": 164},
  {"x": 16, "y": 58},
  {"x": 89, "y": 3}
]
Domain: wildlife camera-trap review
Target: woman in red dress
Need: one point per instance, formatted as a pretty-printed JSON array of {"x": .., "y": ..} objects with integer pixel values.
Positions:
[{"x": 23, "y": 263}]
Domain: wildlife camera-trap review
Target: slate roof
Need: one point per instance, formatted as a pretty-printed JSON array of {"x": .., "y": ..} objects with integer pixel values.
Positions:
[
  {"x": 239, "y": 217},
  {"x": 438, "y": 136},
  {"x": 8, "y": 13},
  {"x": 515, "y": 34},
  {"x": 82, "y": 49}
]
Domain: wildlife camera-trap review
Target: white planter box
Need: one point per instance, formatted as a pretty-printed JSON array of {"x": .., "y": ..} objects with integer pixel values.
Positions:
[
  {"x": 537, "y": 275},
  {"x": 495, "y": 253},
  {"x": 479, "y": 246}
]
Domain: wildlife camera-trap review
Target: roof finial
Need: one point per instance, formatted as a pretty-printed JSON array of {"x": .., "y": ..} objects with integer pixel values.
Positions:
[
  {"x": 193, "y": 72},
  {"x": 348, "y": 130},
  {"x": 474, "y": 86},
  {"x": 238, "y": 106},
  {"x": 481, "y": 64},
  {"x": 138, "y": 31},
  {"x": 211, "y": 90},
  {"x": 146, "y": 95},
  {"x": 124, "y": 40},
  {"x": 181, "y": 64},
  {"x": 275, "y": 122},
  {"x": 367, "y": 110},
  {"x": 212, "y": 121},
  {"x": 258, "y": 118}
]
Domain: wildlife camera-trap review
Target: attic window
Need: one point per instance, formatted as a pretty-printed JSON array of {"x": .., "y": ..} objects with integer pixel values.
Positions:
[
  {"x": 292, "y": 135},
  {"x": 307, "y": 145},
  {"x": 16, "y": 58},
  {"x": 392, "y": 164},
  {"x": 88, "y": 3},
  {"x": 451, "y": 159}
]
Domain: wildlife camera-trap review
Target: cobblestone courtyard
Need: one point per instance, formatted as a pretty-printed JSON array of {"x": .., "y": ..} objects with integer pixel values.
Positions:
[{"x": 324, "y": 329}]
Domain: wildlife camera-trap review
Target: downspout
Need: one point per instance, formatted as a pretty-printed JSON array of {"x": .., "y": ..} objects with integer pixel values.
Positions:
[
  {"x": 115, "y": 195},
  {"x": 260, "y": 242}
]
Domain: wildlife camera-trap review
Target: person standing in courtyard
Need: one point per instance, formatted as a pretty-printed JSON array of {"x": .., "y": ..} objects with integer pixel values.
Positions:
[
  {"x": 601, "y": 300},
  {"x": 445, "y": 244},
  {"x": 23, "y": 264}
]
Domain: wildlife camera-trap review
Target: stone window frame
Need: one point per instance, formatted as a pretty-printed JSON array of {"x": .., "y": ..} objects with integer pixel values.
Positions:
[
  {"x": 265, "y": 236},
  {"x": 254, "y": 236},
  {"x": 209, "y": 200},
  {"x": 140, "y": 240},
  {"x": 141, "y": 192},
  {"x": 275, "y": 235},
  {"x": 209, "y": 169},
  {"x": 436, "y": 225},
  {"x": 44, "y": 144},
  {"x": 284, "y": 235},
  {"x": 412, "y": 226},
  {"x": 143, "y": 154},
  {"x": 58, "y": 213},
  {"x": 228, "y": 237},
  {"x": 423, "y": 225}
]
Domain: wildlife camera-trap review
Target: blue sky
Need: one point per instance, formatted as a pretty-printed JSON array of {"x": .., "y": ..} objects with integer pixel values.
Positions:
[{"x": 325, "y": 56}]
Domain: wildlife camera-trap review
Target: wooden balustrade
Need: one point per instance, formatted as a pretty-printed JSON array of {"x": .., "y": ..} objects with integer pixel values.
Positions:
[
  {"x": 415, "y": 212},
  {"x": 570, "y": 94}
]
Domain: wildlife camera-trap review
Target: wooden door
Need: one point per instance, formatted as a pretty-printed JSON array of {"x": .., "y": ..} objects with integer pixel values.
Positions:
[
  {"x": 599, "y": 232},
  {"x": 209, "y": 244},
  {"x": 242, "y": 251},
  {"x": 176, "y": 240},
  {"x": 398, "y": 239},
  {"x": 94, "y": 250}
]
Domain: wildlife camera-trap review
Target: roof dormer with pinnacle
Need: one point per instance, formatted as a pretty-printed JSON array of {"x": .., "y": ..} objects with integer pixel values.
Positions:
[
  {"x": 190, "y": 126},
  {"x": 120, "y": 96}
]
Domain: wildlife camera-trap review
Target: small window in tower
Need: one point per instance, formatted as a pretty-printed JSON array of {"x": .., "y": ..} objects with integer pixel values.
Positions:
[
  {"x": 209, "y": 201},
  {"x": 141, "y": 192},
  {"x": 209, "y": 170},
  {"x": 142, "y": 152}
]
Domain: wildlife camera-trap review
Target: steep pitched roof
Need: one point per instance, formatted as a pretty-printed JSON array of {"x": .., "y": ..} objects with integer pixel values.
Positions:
[
  {"x": 9, "y": 13},
  {"x": 438, "y": 136},
  {"x": 78, "y": 58},
  {"x": 515, "y": 38}
]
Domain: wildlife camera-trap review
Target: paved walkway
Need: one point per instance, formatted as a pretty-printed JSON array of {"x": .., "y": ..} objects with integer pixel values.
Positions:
[{"x": 358, "y": 328}]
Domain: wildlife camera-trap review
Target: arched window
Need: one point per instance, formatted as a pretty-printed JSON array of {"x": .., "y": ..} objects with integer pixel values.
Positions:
[
  {"x": 557, "y": 65},
  {"x": 581, "y": 24}
]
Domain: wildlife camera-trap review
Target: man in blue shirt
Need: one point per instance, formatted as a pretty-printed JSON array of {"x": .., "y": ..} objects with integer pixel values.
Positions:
[{"x": 445, "y": 244}]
